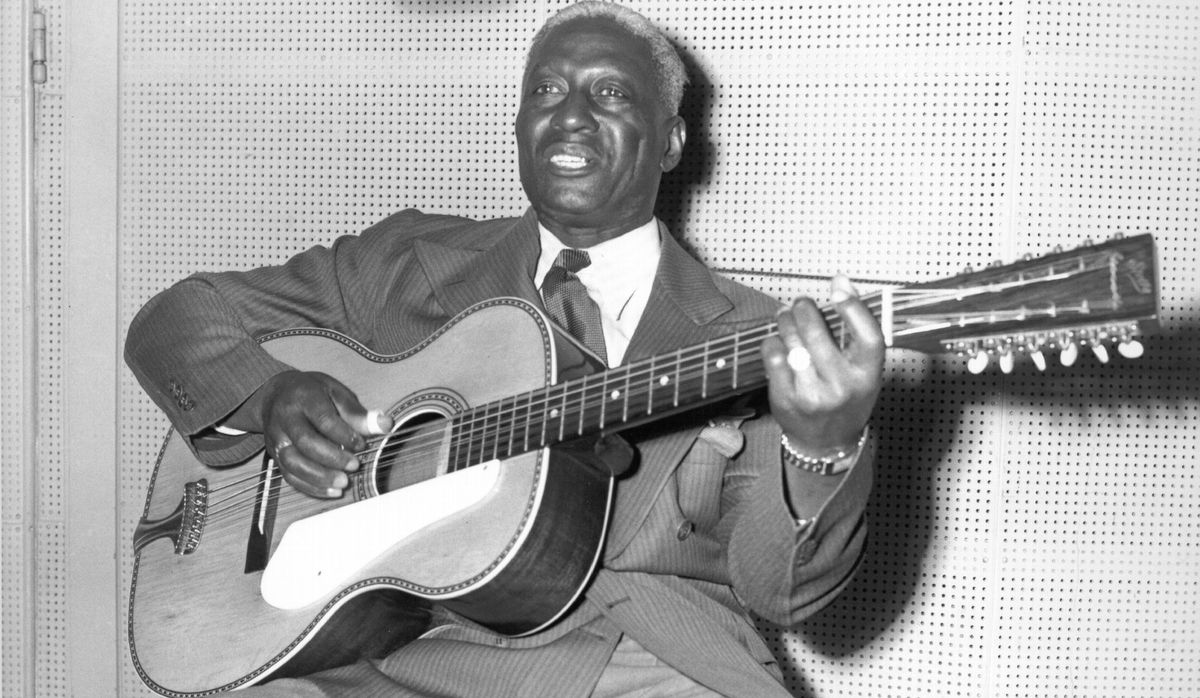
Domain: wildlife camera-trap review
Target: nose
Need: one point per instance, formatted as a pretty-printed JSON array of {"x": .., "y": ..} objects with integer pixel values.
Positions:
[{"x": 574, "y": 113}]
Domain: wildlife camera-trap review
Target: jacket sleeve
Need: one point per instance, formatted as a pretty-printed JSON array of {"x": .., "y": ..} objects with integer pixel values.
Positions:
[
  {"x": 796, "y": 541},
  {"x": 195, "y": 346}
]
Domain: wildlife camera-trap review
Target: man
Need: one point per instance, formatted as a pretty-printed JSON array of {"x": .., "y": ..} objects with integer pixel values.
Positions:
[{"x": 738, "y": 512}]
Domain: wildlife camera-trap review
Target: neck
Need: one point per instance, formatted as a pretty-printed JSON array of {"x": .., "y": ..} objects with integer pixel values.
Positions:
[{"x": 583, "y": 237}]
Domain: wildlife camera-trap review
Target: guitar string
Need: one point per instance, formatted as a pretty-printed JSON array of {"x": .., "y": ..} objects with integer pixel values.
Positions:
[
  {"x": 480, "y": 434},
  {"x": 477, "y": 420},
  {"x": 576, "y": 402}
]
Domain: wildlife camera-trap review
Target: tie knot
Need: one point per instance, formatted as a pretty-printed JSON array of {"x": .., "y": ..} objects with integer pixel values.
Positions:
[{"x": 572, "y": 260}]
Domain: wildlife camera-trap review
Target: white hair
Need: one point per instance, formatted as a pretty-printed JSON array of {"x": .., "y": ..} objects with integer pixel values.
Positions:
[{"x": 670, "y": 73}]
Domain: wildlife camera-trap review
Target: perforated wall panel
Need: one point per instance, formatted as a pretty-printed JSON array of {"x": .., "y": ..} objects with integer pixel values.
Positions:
[
  {"x": 51, "y": 621},
  {"x": 14, "y": 554},
  {"x": 1034, "y": 534}
]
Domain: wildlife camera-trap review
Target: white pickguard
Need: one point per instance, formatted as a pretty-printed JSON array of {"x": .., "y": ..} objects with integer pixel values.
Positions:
[{"x": 317, "y": 555}]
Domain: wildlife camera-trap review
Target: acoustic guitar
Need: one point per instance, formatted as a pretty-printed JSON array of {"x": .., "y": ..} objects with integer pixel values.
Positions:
[{"x": 491, "y": 496}]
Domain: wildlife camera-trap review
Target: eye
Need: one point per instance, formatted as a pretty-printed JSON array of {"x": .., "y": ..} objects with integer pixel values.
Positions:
[
  {"x": 545, "y": 88},
  {"x": 612, "y": 92}
]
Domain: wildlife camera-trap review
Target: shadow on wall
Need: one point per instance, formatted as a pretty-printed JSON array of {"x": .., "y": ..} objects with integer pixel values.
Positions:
[
  {"x": 695, "y": 166},
  {"x": 919, "y": 422}
]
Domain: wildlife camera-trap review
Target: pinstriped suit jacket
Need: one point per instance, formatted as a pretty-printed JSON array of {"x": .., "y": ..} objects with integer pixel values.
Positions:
[{"x": 703, "y": 529}]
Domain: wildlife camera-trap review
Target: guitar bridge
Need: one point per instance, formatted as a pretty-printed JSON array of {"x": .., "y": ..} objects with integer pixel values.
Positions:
[{"x": 184, "y": 526}]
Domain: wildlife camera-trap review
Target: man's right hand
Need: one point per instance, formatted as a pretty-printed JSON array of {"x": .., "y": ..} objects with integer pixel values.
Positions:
[{"x": 314, "y": 426}]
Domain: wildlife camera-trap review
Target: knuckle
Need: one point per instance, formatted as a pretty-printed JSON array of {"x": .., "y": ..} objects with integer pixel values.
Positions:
[{"x": 327, "y": 421}]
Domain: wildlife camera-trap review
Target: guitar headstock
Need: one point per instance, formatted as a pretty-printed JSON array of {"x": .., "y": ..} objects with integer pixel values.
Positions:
[{"x": 1093, "y": 296}]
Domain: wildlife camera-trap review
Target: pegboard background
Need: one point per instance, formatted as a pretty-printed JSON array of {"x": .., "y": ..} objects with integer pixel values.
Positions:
[{"x": 1034, "y": 534}]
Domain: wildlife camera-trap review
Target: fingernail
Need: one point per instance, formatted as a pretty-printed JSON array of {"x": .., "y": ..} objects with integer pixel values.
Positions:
[
  {"x": 375, "y": 422},
  {"x": 333, "y": 493},
  {"x": 340, "y": 482},
  {"x": 351, "y": 465},
  {"x": 841, "y": 289}
]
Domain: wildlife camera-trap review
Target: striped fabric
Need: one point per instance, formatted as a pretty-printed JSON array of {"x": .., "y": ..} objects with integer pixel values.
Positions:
[{"x": 698, "y": 528}]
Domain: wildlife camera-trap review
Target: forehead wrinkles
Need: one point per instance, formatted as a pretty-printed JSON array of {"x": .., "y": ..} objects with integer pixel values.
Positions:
[{"x": 599, "y": 51}]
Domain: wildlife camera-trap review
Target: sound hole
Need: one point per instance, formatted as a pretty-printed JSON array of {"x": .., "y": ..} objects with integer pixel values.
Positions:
[{"x": 414, "y": 452}]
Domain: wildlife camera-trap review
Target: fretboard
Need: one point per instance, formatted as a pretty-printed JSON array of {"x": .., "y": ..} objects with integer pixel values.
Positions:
[{"x": 621, "y": 397}]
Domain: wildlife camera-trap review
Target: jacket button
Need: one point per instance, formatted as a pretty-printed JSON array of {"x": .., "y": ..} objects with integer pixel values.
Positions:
[
  {"x": 805, "y": 552},
  {"x": 685, "y": 529}
]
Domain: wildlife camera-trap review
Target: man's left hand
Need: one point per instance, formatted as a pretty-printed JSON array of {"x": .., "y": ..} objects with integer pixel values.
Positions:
[{"x": 822, "y": 391}]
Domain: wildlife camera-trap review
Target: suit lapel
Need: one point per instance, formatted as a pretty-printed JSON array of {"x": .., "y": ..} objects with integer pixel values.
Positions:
[
  {"x": 683, "y": 301},
  {"x": 683, "y": 304},
  {"x": 463, "y": 276}
]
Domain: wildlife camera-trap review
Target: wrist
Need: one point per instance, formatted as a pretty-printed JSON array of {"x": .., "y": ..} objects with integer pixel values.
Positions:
[
  {"x": 831, "y": 462},
  {"x": 249, "y": 416}
]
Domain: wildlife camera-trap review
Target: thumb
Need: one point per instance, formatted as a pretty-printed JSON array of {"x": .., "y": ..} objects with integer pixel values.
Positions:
[{"x": 370, "y": 422}]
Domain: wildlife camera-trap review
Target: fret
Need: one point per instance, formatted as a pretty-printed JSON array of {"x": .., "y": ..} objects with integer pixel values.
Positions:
[
  {"x": 603, "y": 398},
  {"x": 678, "y": 360},
  {"x": 625, "y": 397},
  {"x": 650, "y": 389},
  {"x": 455, "y": 444},
  {"x": 525, "y": 438},
  {"x": 562, "y": 414},
  {"x": 737, "y": 340},
  {"x": 583, "y": 400},
  {"x": 470, "y": 425},
  {"x": 512, "y": 424},
  {"x": 481, "y": 435},
  {"x": 545, "y": 417},
  {"x": 492, "y": 430},
  {"x": 704, "y": 373}
]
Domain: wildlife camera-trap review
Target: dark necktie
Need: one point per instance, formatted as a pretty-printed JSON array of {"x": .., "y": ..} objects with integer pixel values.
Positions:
[{"x": 568, "y": 301}]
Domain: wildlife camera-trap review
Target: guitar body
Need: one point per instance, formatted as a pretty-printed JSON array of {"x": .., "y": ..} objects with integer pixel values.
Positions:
[{"x": 514, "y": 556}]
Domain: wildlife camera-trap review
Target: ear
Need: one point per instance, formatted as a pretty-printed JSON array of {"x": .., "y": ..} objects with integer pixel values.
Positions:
[{"x": 676, "y": 138}]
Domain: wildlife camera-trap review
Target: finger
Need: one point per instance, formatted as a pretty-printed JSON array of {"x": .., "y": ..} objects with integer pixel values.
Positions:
[
  {"x": 804, "y": 326},
  {"x": 863, "y": 328},
  {"x": 306, "y": 475},
  {"x": 787, "y": 385},
  {"x": 775, "y": 362},
  {"x": 316, "y": 447},
  {"x": 841, "y": 289},
  {"x": 363, "y": 421}
]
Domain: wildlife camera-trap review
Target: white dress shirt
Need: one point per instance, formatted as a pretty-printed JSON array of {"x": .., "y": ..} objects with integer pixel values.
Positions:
[{"x": 618, "y": 280}]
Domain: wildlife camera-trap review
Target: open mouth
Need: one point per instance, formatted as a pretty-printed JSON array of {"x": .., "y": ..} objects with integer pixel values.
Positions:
[
  {"x": 568, "y": 162},
  {"x": 570, "y": 158}
]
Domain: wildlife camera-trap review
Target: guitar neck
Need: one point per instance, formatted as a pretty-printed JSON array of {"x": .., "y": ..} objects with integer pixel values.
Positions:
[
  {"x": 635, "y": 393},
  {"x": 1089, "y": 296}
]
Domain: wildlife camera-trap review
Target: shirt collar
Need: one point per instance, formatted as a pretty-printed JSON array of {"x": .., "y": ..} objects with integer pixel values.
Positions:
[{"x": 632, "y": 255}]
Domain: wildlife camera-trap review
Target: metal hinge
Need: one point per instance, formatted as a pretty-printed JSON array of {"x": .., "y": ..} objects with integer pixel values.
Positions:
[{"x": 38, "y": 47}]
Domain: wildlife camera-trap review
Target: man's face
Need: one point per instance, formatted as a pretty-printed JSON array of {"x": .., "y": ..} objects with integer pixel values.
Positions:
[{"x": 592, "y": 137}]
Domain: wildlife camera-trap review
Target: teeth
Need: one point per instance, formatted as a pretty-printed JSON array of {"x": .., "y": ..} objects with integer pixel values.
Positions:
[{"x": 568, "y": 161}]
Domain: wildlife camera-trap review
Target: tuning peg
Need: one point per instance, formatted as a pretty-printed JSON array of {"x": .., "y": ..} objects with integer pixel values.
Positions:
[
  {"x": 978, "y": 363},
  {"x": 1131, "y": 349},
  {"x": 1069, "y": 353},
  {"x": 1006, "y": 362},
  {"x": 1101, "y": 352},
  {"x": 1039, "y": 359}
]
